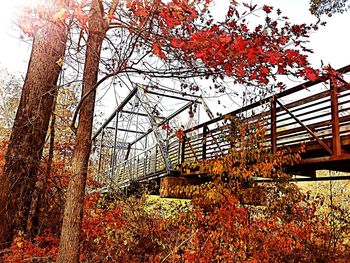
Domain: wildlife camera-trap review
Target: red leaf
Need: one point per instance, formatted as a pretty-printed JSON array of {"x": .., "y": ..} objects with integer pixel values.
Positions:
[
  {"x": 180, "y": 134},
  {"x": 311, "y": 74},
  {"x": 267, "y": 9},
  {"x": 157, "y": 50},
  {"x": 240, "y": 44}
]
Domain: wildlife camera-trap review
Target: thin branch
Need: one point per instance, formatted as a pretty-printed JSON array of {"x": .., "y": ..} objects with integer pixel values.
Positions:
[{"x": 178, "y": 246}]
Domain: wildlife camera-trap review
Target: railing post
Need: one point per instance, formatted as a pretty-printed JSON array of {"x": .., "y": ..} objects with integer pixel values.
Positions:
[
  {"x": 232, "y": 133},
  {"x": 145, "y": 164},
  {"x": 132, "y": 168},
  {"x": 100, "y": 157},
  {"x": 204, "y": 152},
  {"x": 183, "y": 146},
  {"x": 336, "y": 143},
  {"x": 134, "y": 172},
  {"x": 115, "y": 143},
  {"x": 111, "y": 161},
  {"x": 179, "y": 153},
  {"x": 123, "y": 172},
  {"x": 149, "y": 160},
  {"x": 155, "y": 159},
  {"x": 137, "y": 166},
  {"x": 117, "y": 173},
  {"x": 273, "y": 125},
  {"x": 167, "y": 137}
]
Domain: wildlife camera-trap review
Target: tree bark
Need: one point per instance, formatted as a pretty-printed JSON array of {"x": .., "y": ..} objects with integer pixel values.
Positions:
[
  {"x": 30, "y": 126},
  {"x": 72, "y": 219},
  {"x": 41, "y": 182}
]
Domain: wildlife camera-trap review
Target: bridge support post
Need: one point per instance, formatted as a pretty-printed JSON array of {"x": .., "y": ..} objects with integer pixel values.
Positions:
[
  {"x": 336, "y": 143},
  {"x": 273, "y": 125},
  {"x": 127, "y": 152}
]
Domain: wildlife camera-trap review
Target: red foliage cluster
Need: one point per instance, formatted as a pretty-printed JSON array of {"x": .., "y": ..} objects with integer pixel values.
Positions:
[
  {"x": 232, "y": 47},
  {"x": 43, "y": 248},
  {"x": 101, "y": 221},
  {"x": 217, "y": 228}
]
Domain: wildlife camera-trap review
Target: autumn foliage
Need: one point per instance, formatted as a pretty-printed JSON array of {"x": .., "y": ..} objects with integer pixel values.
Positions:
[{"x": 216, "y": 226}]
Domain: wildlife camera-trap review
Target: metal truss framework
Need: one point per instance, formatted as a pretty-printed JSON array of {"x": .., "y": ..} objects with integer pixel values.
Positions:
[
  {"x": 137, "y": 129},
  {"x": 320, "y": 121}
]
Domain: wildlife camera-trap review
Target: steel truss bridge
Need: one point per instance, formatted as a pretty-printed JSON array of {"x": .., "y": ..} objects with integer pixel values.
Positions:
[{"x": 315, "y": 114}]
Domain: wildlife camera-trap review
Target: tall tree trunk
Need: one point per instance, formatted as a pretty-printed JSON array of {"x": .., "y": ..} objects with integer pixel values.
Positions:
[
  {"x": 72, "y": 219},
  {"x": 30, "y": 127},
  {"x": 41, "y": 182}
]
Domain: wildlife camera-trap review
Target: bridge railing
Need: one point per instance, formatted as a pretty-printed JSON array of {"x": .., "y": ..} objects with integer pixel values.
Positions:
[
  {"x": 320, "y": 121},
  {"x": 146, "y": 164},
  {"x": 139, "y": 166}
]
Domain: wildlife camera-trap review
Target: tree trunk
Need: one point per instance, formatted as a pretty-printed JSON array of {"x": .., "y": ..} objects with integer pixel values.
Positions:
[
  {"x": 72, "y": 219},
  {"x": 30, "y": 126},
  {"x": 41, "y": 182}
]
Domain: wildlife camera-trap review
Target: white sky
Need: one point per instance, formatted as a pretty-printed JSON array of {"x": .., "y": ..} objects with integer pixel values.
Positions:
[
  {"x": 14, "y": 54},
  {"x": 331, "y": 43}
]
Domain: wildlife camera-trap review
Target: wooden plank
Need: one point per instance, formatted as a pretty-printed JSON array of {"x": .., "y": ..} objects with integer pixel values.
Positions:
[
  {"x": 332, "y": 158},
  {"x": 313, "y": 179}
]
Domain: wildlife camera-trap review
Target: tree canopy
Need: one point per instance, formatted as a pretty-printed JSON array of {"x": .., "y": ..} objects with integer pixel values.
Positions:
[{"x": 328, "y": 7}]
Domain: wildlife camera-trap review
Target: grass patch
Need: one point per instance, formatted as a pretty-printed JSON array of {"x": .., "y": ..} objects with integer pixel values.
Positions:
[{"x": 167, "y": 207}]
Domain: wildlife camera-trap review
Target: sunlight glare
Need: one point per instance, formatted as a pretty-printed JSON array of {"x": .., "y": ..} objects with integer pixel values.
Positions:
[
  {"x": 11, "y": 9},
  {"x": 13, "y": 53}
]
